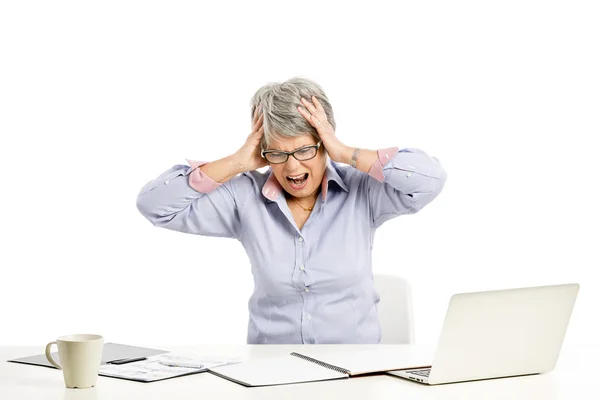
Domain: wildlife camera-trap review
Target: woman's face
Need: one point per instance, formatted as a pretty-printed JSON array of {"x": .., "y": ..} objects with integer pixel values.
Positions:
[{"x": 308, "y": 174}]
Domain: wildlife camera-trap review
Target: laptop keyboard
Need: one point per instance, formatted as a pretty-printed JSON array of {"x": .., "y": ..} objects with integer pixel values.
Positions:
[{"x": 420, "y": 372}]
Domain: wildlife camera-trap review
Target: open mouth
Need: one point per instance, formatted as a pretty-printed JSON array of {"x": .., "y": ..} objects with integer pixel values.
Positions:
[{"x": 297, "y": 181}]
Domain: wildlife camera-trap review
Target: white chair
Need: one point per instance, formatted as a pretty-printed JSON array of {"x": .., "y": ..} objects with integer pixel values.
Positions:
[{"x": 395, "y": 309}]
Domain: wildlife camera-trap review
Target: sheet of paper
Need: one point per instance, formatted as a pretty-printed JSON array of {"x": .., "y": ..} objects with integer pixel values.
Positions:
[
  {"x": 154, "y": 368},
  {"x": 279, "y": 370}
]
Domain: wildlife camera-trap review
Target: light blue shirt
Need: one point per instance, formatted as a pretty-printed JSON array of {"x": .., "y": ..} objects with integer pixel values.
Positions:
[{"x": 313, "y": 285}]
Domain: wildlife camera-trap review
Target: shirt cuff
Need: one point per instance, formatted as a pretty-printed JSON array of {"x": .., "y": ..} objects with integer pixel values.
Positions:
[
  {"x": 198, "y": 180},
  {"x": 384, "y": 157}
]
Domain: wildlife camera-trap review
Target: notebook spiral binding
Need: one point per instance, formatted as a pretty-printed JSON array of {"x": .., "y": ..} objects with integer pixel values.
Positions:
[{"x": 321, "y": 363}]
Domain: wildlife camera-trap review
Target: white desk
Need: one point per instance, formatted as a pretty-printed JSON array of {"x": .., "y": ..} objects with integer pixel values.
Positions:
[{"x": 571, "y": 379}]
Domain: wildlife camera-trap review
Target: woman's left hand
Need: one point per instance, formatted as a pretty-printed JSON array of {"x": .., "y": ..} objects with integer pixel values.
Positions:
[{"x": 317, "y": 118}]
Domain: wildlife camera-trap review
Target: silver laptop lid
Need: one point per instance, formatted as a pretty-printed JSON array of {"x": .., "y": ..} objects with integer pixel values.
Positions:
[{"x": 503, "y": 333}]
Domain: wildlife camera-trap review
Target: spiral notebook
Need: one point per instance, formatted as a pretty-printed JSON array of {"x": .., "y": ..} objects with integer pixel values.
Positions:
[{"x": 315, "y": 365}]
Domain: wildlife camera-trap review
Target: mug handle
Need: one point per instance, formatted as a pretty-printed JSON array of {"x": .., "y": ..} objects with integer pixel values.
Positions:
[{"x": 49, "y": 356}]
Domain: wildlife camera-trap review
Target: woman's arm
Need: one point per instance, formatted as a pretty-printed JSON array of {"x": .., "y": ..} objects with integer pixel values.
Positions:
[
  {"x": 186, "y": 199},
  {"x": 400, "y": 181},
  {"x": 205, "y": 198},
  {"x": 404, "y": 181}
]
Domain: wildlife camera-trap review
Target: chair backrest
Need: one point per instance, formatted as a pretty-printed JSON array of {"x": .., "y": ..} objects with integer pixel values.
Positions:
[{"x": 395, "y": 309}]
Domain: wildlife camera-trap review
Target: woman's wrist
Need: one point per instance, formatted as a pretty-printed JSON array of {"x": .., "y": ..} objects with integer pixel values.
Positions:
[
  {"x": 223, "y": 169},
  {"x": 364, "y": 158},
  {"x": 237, "y": 164},
  {"x": 346, "y": 154}
]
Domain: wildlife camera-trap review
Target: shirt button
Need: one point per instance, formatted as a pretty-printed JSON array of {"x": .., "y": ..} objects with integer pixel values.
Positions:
[
  {"x": 306, "y": 289},
  {"x": 408, "y": 174},
  {"x": 302, "y": 268},
  {"x": 300, "y": 240},
  {"x": 166, "y": 182},
  {"x": 307, "y": 317}
]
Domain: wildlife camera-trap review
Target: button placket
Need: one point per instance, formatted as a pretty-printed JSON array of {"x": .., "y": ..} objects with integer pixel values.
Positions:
[
  {"x": 303, "y": 281},
  {"x": 299, "y": 276}
]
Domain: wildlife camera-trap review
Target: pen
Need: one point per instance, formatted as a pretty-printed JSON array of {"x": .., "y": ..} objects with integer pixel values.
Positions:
[
  {"x": 126, "y": 360},
  {"x": 182, "y": 364}
]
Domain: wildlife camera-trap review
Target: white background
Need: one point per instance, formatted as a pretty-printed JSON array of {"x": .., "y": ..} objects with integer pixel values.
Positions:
[{"x": 96, "y": 99}]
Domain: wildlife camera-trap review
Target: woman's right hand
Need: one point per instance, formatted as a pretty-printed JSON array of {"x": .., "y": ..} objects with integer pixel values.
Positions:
[{"x": 248, "y": 156}]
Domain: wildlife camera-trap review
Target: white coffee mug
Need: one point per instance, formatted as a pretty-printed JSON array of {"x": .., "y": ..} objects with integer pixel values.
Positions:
[{"x": 80, "y": 357}]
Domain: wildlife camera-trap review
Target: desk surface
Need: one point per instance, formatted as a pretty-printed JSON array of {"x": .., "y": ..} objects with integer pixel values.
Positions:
[{"x": 572, "y": 378}]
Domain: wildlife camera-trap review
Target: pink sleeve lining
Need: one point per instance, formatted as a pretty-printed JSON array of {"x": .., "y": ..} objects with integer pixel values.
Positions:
[
  {"x": 384, "y": 156},
  {"x": 198, "y": 180}
]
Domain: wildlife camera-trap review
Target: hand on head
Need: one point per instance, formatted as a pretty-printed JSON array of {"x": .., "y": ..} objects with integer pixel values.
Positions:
[
  {"x": 315, "y": 114},
  {"x": 248, "y": 155}
]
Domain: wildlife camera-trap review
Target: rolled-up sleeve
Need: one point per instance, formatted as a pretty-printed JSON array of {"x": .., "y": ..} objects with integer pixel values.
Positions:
[
  {"x": 402, "y": 182},
  {"x": 185, "y": 199}
]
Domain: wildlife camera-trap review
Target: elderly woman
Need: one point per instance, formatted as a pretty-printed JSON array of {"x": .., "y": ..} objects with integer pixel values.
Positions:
[{"x": 307, "y": 223}]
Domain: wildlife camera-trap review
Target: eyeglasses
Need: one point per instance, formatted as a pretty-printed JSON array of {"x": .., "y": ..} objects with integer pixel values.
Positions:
[{"x": 302, "y": 154}]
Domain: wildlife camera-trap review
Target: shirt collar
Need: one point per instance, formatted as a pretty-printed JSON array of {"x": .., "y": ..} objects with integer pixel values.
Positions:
[{"x": 272, "y": 189}]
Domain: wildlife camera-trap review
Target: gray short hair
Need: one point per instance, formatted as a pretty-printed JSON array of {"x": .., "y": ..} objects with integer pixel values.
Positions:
[{"x": 279, "y": 103}]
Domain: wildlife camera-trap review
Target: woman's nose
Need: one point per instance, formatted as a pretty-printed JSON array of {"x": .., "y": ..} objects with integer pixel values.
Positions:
[{"x": 292, "y": 163}]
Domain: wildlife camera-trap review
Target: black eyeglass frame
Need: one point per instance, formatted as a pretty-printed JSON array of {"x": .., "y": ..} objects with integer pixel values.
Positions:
[{"x": 292, "y": 153}]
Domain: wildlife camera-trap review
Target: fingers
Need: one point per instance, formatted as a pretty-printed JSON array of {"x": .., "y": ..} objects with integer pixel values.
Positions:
[
  {"x": 305, "y": 114},
  {"x": 309, "y": 105},
  {"x": 316, "y": 113},
  {"x": 317, "y": 104},
  {"x": 256, "y": 114},
  {"x": 256, "y": 137},
  {"x": 312, "y": 119},
  {"x": 257, "y": 123},
  {"x": 258, "y": 134}
]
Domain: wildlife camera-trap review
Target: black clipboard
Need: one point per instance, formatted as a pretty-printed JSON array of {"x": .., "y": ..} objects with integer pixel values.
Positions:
[{"x": 110, "y": 352}]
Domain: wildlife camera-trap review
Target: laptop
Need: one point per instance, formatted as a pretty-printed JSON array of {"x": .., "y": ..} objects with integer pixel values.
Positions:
[{"x": 500, "y": 333}]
